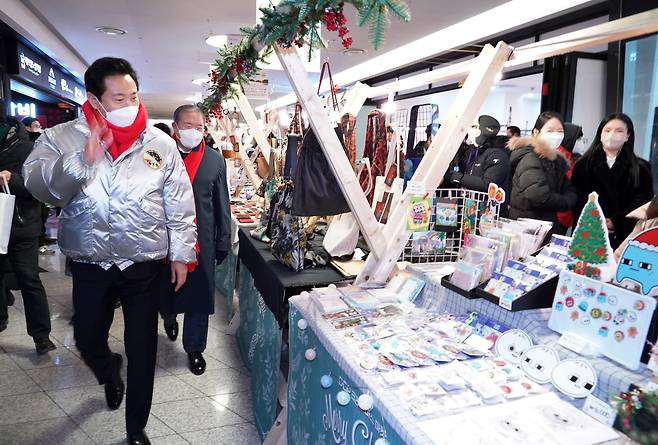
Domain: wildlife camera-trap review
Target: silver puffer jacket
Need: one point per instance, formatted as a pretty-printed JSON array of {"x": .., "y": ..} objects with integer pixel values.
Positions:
[{"x": 137, "y": 208}]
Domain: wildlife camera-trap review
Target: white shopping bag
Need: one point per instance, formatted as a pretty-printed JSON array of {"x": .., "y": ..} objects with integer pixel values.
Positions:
[
  {"x": 343, "y": 232},
  {"x": 7, "y": 201}
]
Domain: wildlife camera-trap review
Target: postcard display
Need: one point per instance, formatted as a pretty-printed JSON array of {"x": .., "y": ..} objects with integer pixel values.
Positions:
[{"x": 440, "y": 220}]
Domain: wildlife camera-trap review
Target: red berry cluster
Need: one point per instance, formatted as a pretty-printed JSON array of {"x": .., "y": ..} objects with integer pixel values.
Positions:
[{"x": 334, "y": 19}]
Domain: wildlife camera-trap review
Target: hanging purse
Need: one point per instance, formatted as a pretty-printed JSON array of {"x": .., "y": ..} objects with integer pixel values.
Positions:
[
  {"x": 317, "y": 191},
  {"x": 293, "y": 143},
  {"x": 286, "y": 231}
]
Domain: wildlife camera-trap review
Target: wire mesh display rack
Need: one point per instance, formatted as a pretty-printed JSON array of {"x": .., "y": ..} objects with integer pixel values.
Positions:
[{"x": 464, "y": 200}]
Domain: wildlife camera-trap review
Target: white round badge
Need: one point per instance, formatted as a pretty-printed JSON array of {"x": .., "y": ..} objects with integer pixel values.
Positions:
[
  {"x": 511, "y": 344},
  {"x": 575, "y": 378},
  {"x": 538, "y": 362}
]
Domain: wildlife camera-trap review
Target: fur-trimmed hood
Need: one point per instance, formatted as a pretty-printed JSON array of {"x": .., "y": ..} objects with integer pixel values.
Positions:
[{"x": 537, "y": 145}]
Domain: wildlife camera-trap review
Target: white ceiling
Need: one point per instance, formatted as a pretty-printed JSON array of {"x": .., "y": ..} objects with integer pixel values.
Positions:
[{"x": 165, "y": 39}]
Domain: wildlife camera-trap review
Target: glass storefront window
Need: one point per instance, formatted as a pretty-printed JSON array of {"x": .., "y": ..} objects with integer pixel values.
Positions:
[{"x": 641, "y": 94}]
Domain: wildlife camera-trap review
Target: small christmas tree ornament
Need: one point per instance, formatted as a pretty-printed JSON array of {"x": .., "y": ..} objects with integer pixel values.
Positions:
[
  {"x": 381, "y": 441},
  {"x": 302, "y": 324},
  {"x": 639, "y": 263},
  {"x": 343, "y": 398},
  {"x": 365, "y": 402},
  {"x": 326, "y": 381},
  {"x": 310, "y": 354},
  {"x": 590, "y": 246}
]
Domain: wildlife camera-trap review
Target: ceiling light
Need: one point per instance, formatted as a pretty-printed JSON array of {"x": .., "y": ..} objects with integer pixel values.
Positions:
[
  {"x": 200, "y": 81},
  {"x": 354, "y": 51},
  {"x": 217, "y": 40},
  {"x": 196, "y": 97},
  {"x": 111, "y": 30}
]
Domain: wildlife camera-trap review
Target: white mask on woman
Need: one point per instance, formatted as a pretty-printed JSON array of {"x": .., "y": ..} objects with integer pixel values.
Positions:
[
  {"x": 613, "y": 142},
  {"x": 190, "y": 138},
  {"x": 553, "y": 139}
]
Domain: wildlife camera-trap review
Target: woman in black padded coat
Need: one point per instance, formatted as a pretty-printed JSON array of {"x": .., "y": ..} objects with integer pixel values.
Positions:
[{"x": 540, "y": 187}]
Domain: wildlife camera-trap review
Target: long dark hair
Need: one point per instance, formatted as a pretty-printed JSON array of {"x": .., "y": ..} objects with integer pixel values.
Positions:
[
  {"x": 545, "y": 117},
  {"x": 596, "y": 149}
]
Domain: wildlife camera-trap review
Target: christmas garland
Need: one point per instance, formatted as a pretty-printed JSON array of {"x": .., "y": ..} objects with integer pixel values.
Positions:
[
  {"x": 637, "y": 413},
  {"x": 293, "y": 22}
]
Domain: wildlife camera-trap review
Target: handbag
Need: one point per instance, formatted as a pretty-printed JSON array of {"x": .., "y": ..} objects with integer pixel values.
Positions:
[
  {"x": 293, "y": 141},
  {"x": 316, "y": 190},
  {"x": 7, "y": 203},
  {"x": 286, "y": 230},
  {"x": 343, "y": 231}
]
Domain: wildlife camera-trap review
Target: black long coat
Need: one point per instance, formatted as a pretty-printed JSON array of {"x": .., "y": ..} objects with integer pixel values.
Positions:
[
  {"x": 14, "y": 150},
  {"x": 213, "y": 228},
  {"x": 618, "y": 194}
]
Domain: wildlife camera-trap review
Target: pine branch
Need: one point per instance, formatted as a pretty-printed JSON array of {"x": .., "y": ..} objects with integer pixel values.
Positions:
[
  {"x": 366, "y": 12},
  {"x": 378, "y": 26},
  {"x": 399, "y": 9}
]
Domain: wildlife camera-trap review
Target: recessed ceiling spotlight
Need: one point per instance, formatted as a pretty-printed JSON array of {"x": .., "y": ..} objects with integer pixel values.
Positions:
[
  {"x": 354, "y": 51},
  {"x": 200, "y": 81},
  {"x": 111, "y": 30},
  {"x": 217, "y": 40}
]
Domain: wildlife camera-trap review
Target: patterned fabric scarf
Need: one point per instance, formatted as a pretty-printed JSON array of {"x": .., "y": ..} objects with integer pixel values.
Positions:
[
  {"x": 348, "y": 125},
  {"x": 376, "y": 148}
]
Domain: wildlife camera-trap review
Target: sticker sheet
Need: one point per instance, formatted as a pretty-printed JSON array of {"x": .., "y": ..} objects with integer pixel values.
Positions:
[{"x": 615, "y": 319}]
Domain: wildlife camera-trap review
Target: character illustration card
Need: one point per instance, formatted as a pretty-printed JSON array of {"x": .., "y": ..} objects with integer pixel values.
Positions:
[{"x": 615, "y": 319}]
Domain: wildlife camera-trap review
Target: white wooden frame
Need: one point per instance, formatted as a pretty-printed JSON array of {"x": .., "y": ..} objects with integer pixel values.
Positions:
[{"x": 388, "y": 242}]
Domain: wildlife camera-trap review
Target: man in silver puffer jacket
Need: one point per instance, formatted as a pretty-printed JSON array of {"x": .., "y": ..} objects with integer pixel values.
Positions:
[{"x": 127, "y": 204}]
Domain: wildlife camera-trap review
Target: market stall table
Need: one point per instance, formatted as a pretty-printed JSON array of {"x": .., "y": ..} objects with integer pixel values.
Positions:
[
  {"x": 264, "y": 288},
  {"x": 314, "y": 413}
]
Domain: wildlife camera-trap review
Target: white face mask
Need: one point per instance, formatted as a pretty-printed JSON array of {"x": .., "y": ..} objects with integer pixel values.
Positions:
[
  {"x": 472, "y": 135},
  {"x": 613, "y": 141},
  {"x": 122, "y": 117},
  {"x": 580, "y": 147},
  {"x": 552, "y": 139},
  {"x": 190, "y": 138}
]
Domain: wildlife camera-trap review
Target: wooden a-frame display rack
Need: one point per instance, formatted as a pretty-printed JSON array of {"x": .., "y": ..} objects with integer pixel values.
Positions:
[{"x": 387, "y": 242}]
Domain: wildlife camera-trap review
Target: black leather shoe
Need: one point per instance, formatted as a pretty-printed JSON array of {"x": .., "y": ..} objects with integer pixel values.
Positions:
[
  {"x": 197, "y": 363},
  {"x": 3, "y": 325},
  {"x": 43, "y": 345},
  {"x": 138, "y": 438},
  {"x": 172, "y": 331},
  {"x": 115, "y": 388}
]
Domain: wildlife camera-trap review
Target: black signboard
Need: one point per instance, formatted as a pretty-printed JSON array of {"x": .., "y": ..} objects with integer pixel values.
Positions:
[{"x": 39, "y": 71}]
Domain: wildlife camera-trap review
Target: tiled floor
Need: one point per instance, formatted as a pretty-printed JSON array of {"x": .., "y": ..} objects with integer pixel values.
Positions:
[{"x": 54, "y": 399}]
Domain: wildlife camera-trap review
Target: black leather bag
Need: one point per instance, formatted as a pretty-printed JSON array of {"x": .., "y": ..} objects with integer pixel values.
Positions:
[{"x": 316, "y": 190}]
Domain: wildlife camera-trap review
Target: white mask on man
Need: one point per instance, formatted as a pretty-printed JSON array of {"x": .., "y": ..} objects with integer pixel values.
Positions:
[
  {"x": 553, "y": 139},
  {"x": 472, "y": 135},
  {"x": 190, "y": 138},
  {"x": 121, "y": 117}
]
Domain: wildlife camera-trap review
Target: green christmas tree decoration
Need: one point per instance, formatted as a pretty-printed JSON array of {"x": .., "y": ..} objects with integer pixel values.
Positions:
[{"x": 590, "y": 243}]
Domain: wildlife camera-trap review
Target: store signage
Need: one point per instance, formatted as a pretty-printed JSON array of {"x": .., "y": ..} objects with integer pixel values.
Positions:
[
  {"x": 23, "y": 109},
  {"x": 39, "y": 71}
]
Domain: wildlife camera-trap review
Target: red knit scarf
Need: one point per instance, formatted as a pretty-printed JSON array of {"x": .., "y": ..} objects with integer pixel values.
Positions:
[
  {"x": 192, "y": 162},
  {"x": 119, "y": 139}
]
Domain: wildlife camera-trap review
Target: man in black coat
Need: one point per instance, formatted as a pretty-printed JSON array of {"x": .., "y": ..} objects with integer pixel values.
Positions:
[
  {"x": 485, "y": 161},
  {"x": 207, "y": 171},
  {"x": 23, "y": 249}
]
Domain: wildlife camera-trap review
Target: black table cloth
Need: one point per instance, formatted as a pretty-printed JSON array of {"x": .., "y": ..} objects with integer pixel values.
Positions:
[{"x": 275, "y": 282}]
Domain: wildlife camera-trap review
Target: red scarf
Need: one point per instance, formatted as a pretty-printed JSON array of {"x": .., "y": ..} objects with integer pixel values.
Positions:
[
  {"x": 119, "y": 139},
  {"x": 192, "y": 162}
]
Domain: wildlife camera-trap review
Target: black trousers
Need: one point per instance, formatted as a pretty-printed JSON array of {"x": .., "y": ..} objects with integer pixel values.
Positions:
[
  {"x": 23, "y": 256},
  {"x": 94, "y": 295}
]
